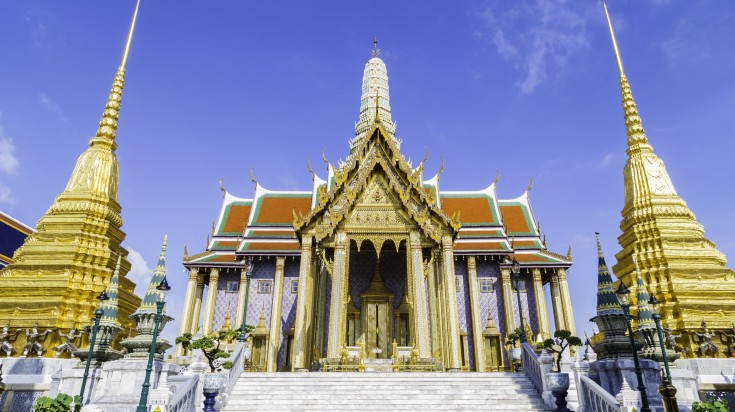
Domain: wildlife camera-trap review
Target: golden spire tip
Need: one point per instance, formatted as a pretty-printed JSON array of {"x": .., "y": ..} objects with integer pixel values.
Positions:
[
  {"x": 618, "y": 60},
  {"x": 130, "y": 35}
]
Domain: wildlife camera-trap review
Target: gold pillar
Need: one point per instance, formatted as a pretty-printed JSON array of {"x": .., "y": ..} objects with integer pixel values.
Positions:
[
  {"x": 541, "y": 312},
  {"x": 275, "y": 331},
  {"x": 433, "y": 311},
  {"x": 302, "y": 301},
  {"x": 242, "y": 292},
  {"x": 199, "y": 295},
  {"x": 211, "y": 298},
  {"x": 510, "y": 317},
  {"x": 556, "y": 306},
  {"x": 420, "y": 314},
  {"x": 335, "y": 338},
  {"x": 321, "y": 304},
  {"x": 477, "y": 325},
  {"x": 566, "y": 301},
  {"x": 187, "y": 313},
  {"x": 442, "y": 307},
  {"x": 455, "y": 362}
]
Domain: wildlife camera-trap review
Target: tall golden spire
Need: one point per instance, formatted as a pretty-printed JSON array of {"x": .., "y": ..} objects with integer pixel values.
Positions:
[
  {"x": 108, "y": 125},
  {"x": 71, "y": 254},
  {"x": 687, "y": 274},
  {"x": 636, "y": 134}
]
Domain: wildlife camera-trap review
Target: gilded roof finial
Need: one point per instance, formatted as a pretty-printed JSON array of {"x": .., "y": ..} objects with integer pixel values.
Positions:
[
  {"x": 497, "y": 177},
  {"x": 308, "y": 165},
  {"x": 376, "y": 50},
  {"x": 441, "y": 170},
  {"x": 221, "y": 186},
  {"x": 530, "y": 184},
  {"x": 252, "y": 178}
]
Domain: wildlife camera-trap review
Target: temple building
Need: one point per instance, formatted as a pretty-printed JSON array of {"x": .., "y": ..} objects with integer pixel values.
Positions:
[
  {"x": 59, "y": 270},
  {"x": 13, "y": 233},
  {"x": 681, "y": 267},
  {"x": 375, "y": 261}
]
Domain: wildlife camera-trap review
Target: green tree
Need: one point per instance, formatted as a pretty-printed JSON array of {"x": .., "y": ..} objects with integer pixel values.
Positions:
[
  {"x": 62, "y": 403},
  {"x": 563, "y": 340},
  {"x": 710, "y": 406},
  {"x": 210, "y": 346}
]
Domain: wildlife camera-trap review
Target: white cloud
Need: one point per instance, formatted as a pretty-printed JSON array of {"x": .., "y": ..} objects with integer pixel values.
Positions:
[
  {"x": 51, "y": 106},
  {"x": 686, "y": 42},
  {"x": 606, "y": 160},
  {"x": 8, "y": 162},
  {"x": 140, "y": 272},
  {"x": 536, "y": 35},
  {"x": 6, "y": 195}
]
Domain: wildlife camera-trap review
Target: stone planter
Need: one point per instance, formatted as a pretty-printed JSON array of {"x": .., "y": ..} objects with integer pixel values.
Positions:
[
  {"x": 558, "y": 383},
  {"x": 213, "y": 382}
]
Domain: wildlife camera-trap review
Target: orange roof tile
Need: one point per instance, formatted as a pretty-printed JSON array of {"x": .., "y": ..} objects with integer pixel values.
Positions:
[
  {"x": 474, "y": 210},
  {"x": 515, "y": 219},
  {"x": 236, "y": 218},
  {"x": 479, "y": 246},
  {"x": 272, "y": 246},
  {"x": 279, "y": 210}
]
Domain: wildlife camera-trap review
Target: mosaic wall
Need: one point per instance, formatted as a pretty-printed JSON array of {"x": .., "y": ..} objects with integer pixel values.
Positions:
[
  {"x": 22, "y": 401},
  {"x": 528, "y": 301},
  {"x": 288, "y": 305},
  {"x": 327, "y": 308},
  {"x": 463, "y": 308},
  {"x": 227, "y": 288},
  {"x": 264, "y": 269},
  {"x": 491, "y": 302}
]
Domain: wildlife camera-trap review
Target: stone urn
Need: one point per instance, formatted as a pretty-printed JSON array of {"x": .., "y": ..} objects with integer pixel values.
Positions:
[
  {"x": 558, "y": 384},
  {"x": 212, "y": 384},
  {"x": 515, "y": 354}
]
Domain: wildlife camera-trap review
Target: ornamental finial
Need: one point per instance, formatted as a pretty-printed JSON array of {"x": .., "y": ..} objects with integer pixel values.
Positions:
[
  {"x": 376, "y": 50},
  {"x": 618, "y": 60}
]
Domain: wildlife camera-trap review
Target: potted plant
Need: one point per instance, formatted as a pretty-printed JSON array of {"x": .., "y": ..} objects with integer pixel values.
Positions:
[
  {"x": 514, "y": 351},
  {"x": 557, "y": 380}
]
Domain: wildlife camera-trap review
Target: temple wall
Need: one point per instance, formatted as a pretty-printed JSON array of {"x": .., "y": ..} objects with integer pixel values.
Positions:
[
  {"x": 491, "y": 302},
  {"x": 288, "y": 305},
  {"x": 264, "y": 269},
  {"x": 226, "y": 299},
  {"x": 463, "y": 307}
]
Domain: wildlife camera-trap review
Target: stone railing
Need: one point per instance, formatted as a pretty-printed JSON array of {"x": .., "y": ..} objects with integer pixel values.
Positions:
[
  {"x": 184, "y": 393},
  {"x": 536, "y": 367},
  {"x": 595, "y": 398},
  {"x": 238, "y": 365}
]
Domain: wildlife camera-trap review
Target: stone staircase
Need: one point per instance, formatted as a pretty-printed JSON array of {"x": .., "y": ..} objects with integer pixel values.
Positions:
[{"x": 384, "y": 391}]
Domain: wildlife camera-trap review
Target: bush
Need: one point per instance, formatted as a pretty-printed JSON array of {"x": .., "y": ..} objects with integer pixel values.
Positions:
[
  {"x": 710, "y": 406},
  {"x": 563, "y": 340},
  {"x": 62, "y": 403},
  {"x": 210, "y": 346}
]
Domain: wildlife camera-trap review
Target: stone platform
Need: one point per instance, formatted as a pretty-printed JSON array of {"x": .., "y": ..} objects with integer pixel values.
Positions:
[{"x": 384, "y": 391}]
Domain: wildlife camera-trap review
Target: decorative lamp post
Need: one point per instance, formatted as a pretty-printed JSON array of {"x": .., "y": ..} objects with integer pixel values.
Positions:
[
  {"x": 2, "y": 385},
  {"x": 623, "y": 294},
  {"x": 97, "y": 316},
  {"x": 667, "y": 390},
  {"x": 515, "y": 268},
  {"x": 163, "y": 287},
  {"x": 248, "y": 274}
]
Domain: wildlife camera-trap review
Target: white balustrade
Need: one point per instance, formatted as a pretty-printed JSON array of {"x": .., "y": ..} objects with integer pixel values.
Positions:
[{"x": 596, "y": 398}]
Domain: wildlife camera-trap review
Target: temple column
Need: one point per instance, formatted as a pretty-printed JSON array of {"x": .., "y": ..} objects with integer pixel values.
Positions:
[
  {"x": 556, "y": 305},
  {"x": 336, "y": 304},
  {"x": 242, "y": 293},
  {"x": 566, "y": 301},
  {"x": 542, "y": 313},
  {"x": 510, "y": 318},
  {"x": 302, "y": 301},
  {"x": 199, "y": 295},
  {"x": 455, "y": 361},
  {"x": 433, "y": 310},
  {"x": 187, "y": 313},
  {"x": 420, "y": 315},
  {"x": 477, "y": 325},
  {"x": 321, "y": 303},
  {"x": 274, "y": 339},
  {"x": 211, "y": 298}
]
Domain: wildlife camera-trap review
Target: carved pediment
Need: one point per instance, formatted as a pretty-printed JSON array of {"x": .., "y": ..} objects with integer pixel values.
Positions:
[{"x": 377, "y": 189}]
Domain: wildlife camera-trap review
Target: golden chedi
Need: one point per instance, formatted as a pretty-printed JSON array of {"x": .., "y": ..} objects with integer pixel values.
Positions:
[
  {"x": 61, "y": 268},
  {"x": 683, "y": 269}
]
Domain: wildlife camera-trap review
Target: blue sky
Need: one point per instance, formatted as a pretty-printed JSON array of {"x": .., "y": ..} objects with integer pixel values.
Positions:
[{"x": 214, "y": 88}]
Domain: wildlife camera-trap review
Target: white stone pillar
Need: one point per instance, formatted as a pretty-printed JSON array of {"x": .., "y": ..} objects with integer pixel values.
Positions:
[
  {"x": 566, "y": 301},
  {"x": 556, "y": 304},
  {"x": 508, "y": 308}
]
